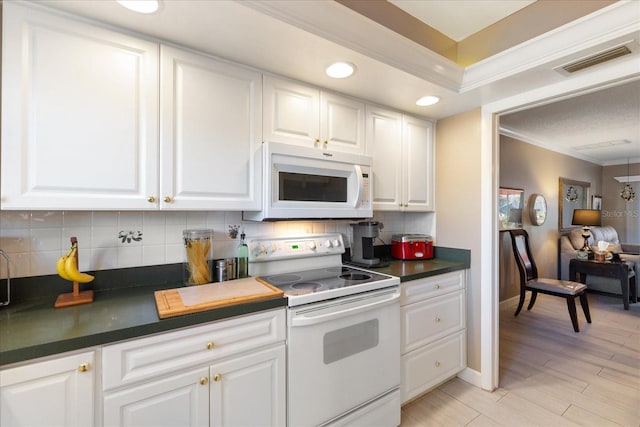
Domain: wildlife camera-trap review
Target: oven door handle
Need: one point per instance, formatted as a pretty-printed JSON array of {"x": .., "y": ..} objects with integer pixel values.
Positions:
[{"x": 309, "y": 319}]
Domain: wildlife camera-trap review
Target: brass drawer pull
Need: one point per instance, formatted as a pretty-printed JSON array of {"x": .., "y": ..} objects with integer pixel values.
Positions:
[
  {"x": 217, "y": 377},
  {"x": 210, "y": 345},
  {"x": 84, "y": 367},
  {"x": 204, "y": 380}
]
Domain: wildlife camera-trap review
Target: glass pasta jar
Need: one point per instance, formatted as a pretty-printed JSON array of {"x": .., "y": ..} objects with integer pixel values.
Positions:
[{"x": 198, "y": 263}]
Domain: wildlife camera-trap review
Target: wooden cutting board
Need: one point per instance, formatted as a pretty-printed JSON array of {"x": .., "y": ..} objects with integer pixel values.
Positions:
[{"x": 193, "y": 299}]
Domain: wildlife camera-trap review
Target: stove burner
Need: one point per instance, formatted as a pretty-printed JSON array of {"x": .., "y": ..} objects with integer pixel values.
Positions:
[
  {"x": 303, "y": 288},
  {"x": 284, "y": 279},
  {"x": 355, "y": 276},
  {"x": 311, "y": 286}
]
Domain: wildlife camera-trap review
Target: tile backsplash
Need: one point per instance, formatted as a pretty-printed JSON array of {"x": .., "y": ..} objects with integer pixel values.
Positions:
[{"x": 34, "y": 240}]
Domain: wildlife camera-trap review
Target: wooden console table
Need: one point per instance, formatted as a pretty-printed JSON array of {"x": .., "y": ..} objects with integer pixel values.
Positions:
[{"x": 580, "y": 268}]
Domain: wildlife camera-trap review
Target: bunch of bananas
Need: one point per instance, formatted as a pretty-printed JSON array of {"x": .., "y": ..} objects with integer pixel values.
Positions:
[{"x": 67, "y": 267}]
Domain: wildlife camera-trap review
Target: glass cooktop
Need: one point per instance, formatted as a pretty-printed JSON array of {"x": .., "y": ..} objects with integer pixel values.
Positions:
[{"x": 323, "y": 279}]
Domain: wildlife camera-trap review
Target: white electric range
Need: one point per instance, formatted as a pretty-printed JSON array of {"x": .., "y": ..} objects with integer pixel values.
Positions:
[{"x": 343, "y": 325}]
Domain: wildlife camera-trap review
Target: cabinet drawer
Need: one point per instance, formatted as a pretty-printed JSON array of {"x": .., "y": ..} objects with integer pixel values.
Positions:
[
  {"x": 149, "y": 357},
  {"x": 417, "y": 290},
  {"x": 430, "y": 365},
  {"x": 428, "y": 320}
]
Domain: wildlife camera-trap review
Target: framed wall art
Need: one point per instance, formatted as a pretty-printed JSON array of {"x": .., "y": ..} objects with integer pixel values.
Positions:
[
  {"x": 510, "y": 201},
  {"x": 596, "y": 202}
]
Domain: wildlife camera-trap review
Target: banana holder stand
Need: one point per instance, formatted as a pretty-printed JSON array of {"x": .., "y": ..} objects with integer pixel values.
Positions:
[{"x": 76, "y": 297}]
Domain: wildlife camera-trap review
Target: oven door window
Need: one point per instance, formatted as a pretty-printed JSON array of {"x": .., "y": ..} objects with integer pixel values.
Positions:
[
  {"x": 302, "y": 187},
  {"x": 351, "y": 340}
]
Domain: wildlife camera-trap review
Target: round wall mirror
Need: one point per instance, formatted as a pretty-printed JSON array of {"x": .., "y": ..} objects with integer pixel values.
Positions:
[{"x": 537, "y": 209}]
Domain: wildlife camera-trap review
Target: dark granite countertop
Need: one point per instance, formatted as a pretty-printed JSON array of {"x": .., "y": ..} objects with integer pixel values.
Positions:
[
  {"x": 34, "y": 328},
  {"x": 418, "y": 269},
  {"x": 445, "y": 260},
  {"x": 31, "y": 327}
]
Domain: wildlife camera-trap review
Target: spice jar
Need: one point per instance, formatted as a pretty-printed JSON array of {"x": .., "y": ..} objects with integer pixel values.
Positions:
[{"x": 198, "y": 264}]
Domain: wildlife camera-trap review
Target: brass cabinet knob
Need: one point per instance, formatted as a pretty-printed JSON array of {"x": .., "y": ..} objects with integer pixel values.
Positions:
[
  {"x": 437, "y": 286},
  {"x": 437, "y": 364},
  {"x": 168, "y": 199},
  {"x": 317, "y": 140},
  {"x": 437, "y": 320},
  {"x": 217, "y": 377},
  {"x": 210, "y": 345},
  {"x": 151, "y": 199},
  {"x": 204, "y": 380},
  {"x": 326, "y": 142},
  {"x": 406, "y": 205},
  {"x": 84, "y": 367}
]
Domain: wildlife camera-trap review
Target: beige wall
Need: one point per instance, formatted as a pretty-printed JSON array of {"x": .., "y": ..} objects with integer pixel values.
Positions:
[
  {"x": 537, "y": 170},
  {"x": 457, "y": 199},
  {"x": 622, "y": 215}
]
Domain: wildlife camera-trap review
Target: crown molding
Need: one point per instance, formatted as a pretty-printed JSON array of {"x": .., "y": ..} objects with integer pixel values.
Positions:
[
  {"x": 341, "y": 25},
  {"x": 604, "y": 28},
  {"x": 561, "y": 150}
]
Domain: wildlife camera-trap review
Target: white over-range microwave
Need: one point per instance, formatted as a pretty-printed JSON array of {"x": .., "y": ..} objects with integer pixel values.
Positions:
[{"x": 312, "y": 183}]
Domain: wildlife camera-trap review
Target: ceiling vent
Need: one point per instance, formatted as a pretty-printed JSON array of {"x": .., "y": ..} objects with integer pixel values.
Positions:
[{"x": 596, "y": 59}]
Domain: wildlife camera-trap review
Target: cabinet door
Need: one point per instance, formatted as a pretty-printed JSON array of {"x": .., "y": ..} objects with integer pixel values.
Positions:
[
  {"x": 250, "y": 390},
  {"x": 426, "y": 321},
  {"x": 210, "y": 130},
  {"x": 384, "y": 142},
  {"x": 431, "y": 365},
  {"x": 418, "y": 164},
  {"x": 342, "y": 124},
  {"x": 291, "y": 112},
  {"x": 79, "y": 115},
  {"x": 54, "y": 392},
  {"x": 179, "y": 400}
]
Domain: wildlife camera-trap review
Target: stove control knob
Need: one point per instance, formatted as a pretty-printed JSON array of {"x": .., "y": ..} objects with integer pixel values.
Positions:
[
  {"x": 312, "y": 245},
  {"x": 336, "y": 243},
  {"x": 328, "y": 244}
]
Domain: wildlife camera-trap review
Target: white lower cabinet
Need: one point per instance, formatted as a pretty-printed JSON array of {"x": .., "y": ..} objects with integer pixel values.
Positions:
[
  {"x": 53, "y": 392},
  {"x": 177, "y": 400},
  {"x": 227, "y": 373},
  {"x": 249, "y": 390},
  {"x": 433, "y": 341}
]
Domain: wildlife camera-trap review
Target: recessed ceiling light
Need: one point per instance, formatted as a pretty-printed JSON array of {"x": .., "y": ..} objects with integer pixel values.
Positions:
[
  {"x": 427, "y": 100},
  {"x": 340, "y": 70},
  {"x": 141, "y": 6}
]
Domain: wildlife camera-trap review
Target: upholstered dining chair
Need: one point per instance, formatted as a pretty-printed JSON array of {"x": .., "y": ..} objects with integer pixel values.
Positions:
[{"x": 529, "y": 281}]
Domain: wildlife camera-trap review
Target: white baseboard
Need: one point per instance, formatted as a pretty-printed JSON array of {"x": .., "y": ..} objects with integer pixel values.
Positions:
[
  {"x": 471, "y": 376},
  {"x": 512, "y": 300}
]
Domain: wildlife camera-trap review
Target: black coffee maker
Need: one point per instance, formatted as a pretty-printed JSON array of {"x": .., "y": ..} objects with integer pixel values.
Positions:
[{"x": 364, "y": 234}]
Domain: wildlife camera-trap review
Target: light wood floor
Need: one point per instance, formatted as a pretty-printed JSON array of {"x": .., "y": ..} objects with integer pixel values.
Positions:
[{"x": 550, "y": 375}]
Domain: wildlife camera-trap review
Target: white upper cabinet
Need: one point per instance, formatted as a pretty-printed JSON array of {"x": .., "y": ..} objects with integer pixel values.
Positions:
[
  {"x": 210, "y": 129},
  {"x": 384, "y": 144},
  {"x": 303, "y": 115},
  {"x": 81, "y": 128},
  {"x": 402, "y": 148},
  {"x": 80, "y": 114},
  {"x": 418, "y": 164}
]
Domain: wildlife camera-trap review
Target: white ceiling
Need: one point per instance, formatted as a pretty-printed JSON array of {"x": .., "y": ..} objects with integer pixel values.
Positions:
[
  {"x": 601, "y": 126},
  {"x": 299, "y": 39},
  {"x": 461, "y": 18}
]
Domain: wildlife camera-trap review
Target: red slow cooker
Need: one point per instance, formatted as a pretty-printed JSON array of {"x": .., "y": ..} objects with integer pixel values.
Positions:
[{"x": 411, "y": 246}]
